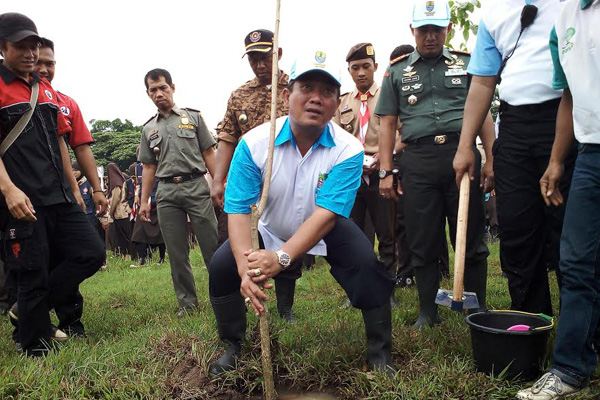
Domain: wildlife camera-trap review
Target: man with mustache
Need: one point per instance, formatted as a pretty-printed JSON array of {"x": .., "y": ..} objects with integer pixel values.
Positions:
[{"x": 316, "y": 171}]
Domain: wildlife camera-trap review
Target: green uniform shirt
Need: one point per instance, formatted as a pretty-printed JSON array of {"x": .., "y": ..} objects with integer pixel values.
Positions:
[
  {"x": 428, "y": 96},
  {"x": 175, "y": 143}
]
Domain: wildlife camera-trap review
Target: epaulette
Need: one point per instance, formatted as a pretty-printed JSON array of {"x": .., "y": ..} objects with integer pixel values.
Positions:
[
  {"x": 466, "y": 53},
  {"x": 151, "y": 118},
  {"x": 402, "y": 57},
  {"x": 343, "y": 94},
  {"x": 191, "y": 109}
]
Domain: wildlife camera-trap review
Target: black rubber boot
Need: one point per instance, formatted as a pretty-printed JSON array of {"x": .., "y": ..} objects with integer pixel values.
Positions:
[
  {"x": 428, "y": 282},
  {"x": 284, "y": 290},
  {"x": 378, "y": 327},
  {"x": 230, "y": 313},
  {"x": 476, "y": 281}
]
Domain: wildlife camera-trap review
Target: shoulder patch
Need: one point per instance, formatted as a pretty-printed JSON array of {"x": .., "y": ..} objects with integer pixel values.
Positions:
[
  {"x": 151, "y": 118},
  {"x": 466, "y": 53},
  {"x": 402, "y": 57}
]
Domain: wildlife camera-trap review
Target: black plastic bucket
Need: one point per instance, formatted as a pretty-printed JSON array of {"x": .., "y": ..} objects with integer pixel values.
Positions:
[{"x": 514, "y": 354}]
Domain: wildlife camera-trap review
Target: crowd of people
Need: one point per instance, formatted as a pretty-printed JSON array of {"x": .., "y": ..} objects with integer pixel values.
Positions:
[{"x": 380, "y": 161}]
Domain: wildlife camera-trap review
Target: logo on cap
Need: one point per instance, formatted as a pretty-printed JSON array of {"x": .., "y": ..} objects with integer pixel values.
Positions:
[
  {"x": 430, "y": 6},
  {"x": 369, "y": 50},
  {"x": 255, "y": 37},
  {"x": 320, "y": 57}
]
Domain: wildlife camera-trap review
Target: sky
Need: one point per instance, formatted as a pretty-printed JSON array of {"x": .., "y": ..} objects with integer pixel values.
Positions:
[{"x": 104, "y": 48}]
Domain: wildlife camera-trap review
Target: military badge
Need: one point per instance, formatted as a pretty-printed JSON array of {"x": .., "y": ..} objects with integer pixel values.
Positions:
[
  {"x": 405, "y": 88},
  {"x": 255, "y": 37},
  {"x": 456, "y": 81},
  {"x": 415, "y": 78},
  {"x": 184, "y": 119},
  {"x": 320, "y": 57},
  {"x": 412, "y": 99},
  {"x": 417, "y": 86},
  {"x": 408, "y": 68},
  {"x": 370, "y": 51},
  {"x": 154, "y": 136}
]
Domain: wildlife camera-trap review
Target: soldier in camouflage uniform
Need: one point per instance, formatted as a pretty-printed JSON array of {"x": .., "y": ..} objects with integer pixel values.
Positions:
[
  {"x": 426, "y": 90},
  {"x": 248, "y": 107}
]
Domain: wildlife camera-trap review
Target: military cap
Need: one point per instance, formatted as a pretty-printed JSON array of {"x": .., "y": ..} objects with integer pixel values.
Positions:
[
  {"x": 401, "y": 50},
  {"x": 260, "y": 40},
  {"x": 15, "y": 27},
  {"x": 361, "y": 51}
]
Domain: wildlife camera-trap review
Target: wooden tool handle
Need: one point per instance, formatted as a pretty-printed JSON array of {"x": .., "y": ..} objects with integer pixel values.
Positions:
[{"x": 461, "y": 237}]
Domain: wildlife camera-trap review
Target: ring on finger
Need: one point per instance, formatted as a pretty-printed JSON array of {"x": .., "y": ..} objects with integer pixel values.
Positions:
[
  {"x": 257, "y": 272},
  {"x": 247, "y": 300}
]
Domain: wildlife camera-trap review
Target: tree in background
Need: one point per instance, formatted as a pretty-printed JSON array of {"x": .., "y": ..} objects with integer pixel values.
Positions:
[
  {"x": 461, "y": 13},
  {"x": 115, "y": 141}
]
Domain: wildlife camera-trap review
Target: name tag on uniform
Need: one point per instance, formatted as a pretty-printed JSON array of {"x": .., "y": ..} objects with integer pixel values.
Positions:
[
  {"x": 186, "y": 126},
  {"x": 152, "y": 137},
  {"x": 456, "y": 72}
]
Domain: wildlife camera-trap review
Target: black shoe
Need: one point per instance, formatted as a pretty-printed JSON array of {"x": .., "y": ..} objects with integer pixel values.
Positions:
[
  {"x": 428, "y": 282},
  {"x": 284, "y": 290},
  {"x": 378, "y": 328},
  {"x": 161, "y": 261},
  {"x": 230, "y": 313},
  {"x": 75, "y": 331},
  {"x": 405, "y": 281}
]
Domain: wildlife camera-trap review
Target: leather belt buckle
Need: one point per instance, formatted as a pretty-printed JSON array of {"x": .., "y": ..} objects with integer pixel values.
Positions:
[
  {"x": 177, "y": 179},
  {"x": 440, "y": 139}
]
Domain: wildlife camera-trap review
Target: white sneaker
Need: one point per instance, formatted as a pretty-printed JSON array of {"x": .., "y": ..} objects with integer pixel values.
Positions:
[{"x": 548, "y": 387}]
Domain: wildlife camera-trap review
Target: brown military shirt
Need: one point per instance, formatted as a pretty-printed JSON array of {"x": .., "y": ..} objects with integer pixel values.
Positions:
[
  {"x": 250, "y": 106},
  {"x": 348, "y": 114}
]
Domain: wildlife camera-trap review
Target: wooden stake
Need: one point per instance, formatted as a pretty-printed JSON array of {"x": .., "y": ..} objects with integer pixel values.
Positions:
[{"x": 265, "y": 338}]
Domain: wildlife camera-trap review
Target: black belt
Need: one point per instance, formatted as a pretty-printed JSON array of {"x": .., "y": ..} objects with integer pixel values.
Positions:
[
  {"x": 437, "y": 139},
  {"x": 180, "y": 178},
  {"x": 529, "y": 108}
]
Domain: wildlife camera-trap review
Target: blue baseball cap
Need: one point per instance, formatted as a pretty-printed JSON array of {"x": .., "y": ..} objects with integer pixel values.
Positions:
[
  {"x": 431, "y": 12},
  {"x": 315, "y": 61}
]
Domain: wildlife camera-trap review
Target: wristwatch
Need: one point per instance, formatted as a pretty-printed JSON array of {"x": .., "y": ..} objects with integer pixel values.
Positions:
[
  {"x": 384, "y": 172},
  {"x": 283, "y": 258}
]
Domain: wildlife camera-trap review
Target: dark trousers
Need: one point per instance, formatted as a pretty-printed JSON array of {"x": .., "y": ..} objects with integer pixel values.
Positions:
[
  {"x": 431, "y": 198},
  {"x": 60, "y": 229},
  {"x": 529, "y": 230},
  {"x": 369, "y": 202},
  {"x": 353, "y": 262},
  {"x": 575, "y": 358},
  {"x": 405, "y": 267}
]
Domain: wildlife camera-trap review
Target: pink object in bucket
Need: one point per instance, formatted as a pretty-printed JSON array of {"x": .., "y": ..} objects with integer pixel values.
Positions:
[{"x": 519, "y": 328}]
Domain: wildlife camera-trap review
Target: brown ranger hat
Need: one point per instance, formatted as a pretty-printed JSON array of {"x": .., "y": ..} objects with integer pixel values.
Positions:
[
  {"x": 361, "y": 51},
  {"x": 260, "y": 40},
  {"x": 15, "y": 27}
]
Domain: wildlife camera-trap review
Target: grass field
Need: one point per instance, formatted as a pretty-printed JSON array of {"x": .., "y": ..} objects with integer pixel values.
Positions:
[{"x": 137, "y": 349}]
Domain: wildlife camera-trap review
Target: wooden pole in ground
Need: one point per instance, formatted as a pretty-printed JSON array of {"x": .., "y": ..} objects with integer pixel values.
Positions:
[{"x": 265, "y": 338}]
